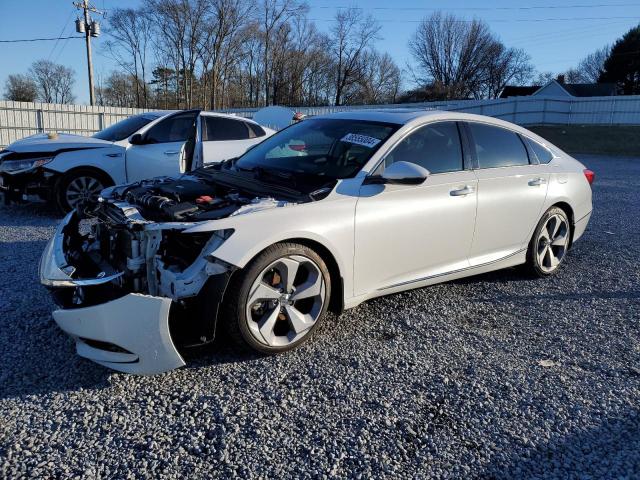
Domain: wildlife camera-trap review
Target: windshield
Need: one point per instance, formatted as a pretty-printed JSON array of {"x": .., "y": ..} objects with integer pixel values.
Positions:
[
  {"x": 332, "y": 148},
  {"x": 124, "y": 128}
]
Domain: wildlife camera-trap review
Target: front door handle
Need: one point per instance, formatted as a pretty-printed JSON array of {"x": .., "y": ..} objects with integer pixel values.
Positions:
[
  {"x": 466, "y": 190},
  {"x": 535, "y": 182},
  {"x": 172, "y": 152}
]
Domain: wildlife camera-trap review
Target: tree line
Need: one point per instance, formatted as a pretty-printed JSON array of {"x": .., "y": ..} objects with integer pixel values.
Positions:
[{"x": 217, "y": 54}]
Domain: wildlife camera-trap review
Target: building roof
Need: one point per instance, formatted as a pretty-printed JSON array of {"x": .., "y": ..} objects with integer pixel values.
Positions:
[
  {"x": 590, "y": 89},
  {"x": 555, "y": 88},
  {"x": 519, "y": 91}
]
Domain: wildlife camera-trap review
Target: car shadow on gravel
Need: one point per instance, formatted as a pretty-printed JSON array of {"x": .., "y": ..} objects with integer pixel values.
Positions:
[
  {"x": 606, "y": 451},
  {"x": 48, "y": 377},
  {"x": 14, "y": 215}
]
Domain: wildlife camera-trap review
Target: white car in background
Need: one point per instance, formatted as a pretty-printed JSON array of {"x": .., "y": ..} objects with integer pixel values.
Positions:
[
  {"x": 264, "y": 244},
  {"x": 68, "y": 169}
]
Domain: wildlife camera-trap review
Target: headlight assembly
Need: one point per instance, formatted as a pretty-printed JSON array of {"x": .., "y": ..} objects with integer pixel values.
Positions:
[{"x": 17, "y": 166}]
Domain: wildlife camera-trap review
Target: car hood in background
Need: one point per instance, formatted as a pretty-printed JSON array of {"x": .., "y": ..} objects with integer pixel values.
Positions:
[{"x": 41, "y": 142}]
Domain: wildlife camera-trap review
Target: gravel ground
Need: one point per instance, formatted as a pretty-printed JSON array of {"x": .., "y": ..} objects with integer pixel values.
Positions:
[{"x": 494, "y": 376}]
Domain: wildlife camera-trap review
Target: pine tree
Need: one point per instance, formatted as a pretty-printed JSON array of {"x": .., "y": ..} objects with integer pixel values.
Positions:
[{"x": 623, "y": 64}]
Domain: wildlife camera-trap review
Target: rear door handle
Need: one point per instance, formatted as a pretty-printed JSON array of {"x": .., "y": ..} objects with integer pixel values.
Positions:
[
  {"x": 172, "y": 152},
  {"x": 466, "y": 190},
  {"x": 535, "y": 182}
]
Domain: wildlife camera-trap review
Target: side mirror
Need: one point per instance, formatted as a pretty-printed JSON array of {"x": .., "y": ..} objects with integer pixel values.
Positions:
[
  {"x": 136, "y": 139},
  {"x": 400, "y": 173},
  {"x": 185, "y": 165}
]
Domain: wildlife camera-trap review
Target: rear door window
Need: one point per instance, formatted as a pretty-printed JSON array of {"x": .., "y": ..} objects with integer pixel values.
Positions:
[
  {"x": 497, "y": 147},
  {"x": 220, "y": 129},
  {"x": 255, "y": 130}
]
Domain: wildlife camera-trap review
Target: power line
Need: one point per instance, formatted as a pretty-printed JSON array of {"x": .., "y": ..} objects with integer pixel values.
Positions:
[
  {"x": 533, "y": 7},
  {"x": 567, "y": 19},
  {"x": 37, "y": 39},
  {"x": 55, "y": 45},
  {"x": 565, "y": 35}
]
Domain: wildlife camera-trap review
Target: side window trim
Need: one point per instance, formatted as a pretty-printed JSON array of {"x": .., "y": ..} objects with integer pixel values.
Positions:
[
  {"x": 533, "y": 158},
  {"x": 379, "y": 168},
  {"x": 470, "y": 156},
  {"x": 475, "y": 153},
  {"x": 530, "y": 142}
]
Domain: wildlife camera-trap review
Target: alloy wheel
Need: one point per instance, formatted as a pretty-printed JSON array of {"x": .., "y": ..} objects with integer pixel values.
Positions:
[
  {"x": 82, "y": 189},
  {"x": 285, "y": 301},
  {"x": 552, "y": 243}
]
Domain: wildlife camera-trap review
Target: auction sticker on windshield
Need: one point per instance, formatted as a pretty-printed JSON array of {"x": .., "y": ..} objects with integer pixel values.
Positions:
[{"x": 358, "y": 139}]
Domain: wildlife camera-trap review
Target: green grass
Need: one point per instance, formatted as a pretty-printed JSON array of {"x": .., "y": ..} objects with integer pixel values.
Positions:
[{"x": 609, "y": 139}]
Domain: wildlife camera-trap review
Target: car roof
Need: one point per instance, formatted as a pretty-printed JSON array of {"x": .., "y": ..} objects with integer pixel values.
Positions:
[
  {"x": 157, "y": 113},
  {"x": 404, "y": 116},
  {"x": 163, "y": 113},
  {"x": 226, "y": 115},
  {"x": 396, "y": 115}
]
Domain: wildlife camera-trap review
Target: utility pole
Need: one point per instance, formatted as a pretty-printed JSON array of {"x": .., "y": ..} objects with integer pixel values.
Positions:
[{"x": 90, "y": 28}]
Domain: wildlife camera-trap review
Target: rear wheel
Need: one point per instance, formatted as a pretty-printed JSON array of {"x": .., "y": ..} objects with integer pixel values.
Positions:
[
  {"x": 80, "y": 186},
  {"x": 279, "y": 299},
  {"x": 550, "y": 243}
]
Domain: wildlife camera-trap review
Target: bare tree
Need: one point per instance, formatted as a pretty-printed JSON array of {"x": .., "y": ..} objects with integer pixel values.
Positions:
[
  {"x": 380, "y": 82},
  {"x": 505, "y": 66},
  {"x": 180, "y": 29},
  {"x": 20, "y": 88},
  {"x": 574, "y": 75},
  {"x": 544, "y": 77},
  {"x": 118, "y": 90},
  {"x": 130, "y": 33},
  {"x": 55, "y": 82},
  {"x": 274, "y": 17},
  {"x": 464, "y": 57},
  {"x": 592, "y": 66},
  {"x": 221, "y": 45},
  {"x": 351, "y": 36}
]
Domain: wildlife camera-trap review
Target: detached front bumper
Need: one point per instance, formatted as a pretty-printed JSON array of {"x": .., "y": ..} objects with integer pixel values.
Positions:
[{"x": 129, "y": 333}]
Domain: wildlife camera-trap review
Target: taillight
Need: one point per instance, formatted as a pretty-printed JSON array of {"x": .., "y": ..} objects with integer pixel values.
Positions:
[
  {"x": 297, "y": 147},
  {"x": 589, "y": 175}
]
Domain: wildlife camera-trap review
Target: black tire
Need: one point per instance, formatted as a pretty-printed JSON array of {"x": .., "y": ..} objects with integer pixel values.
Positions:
[
  {"x": 534, "y": 266},
  {"x": 67, "y": 180},
  {"x": 234, "y": 308}
]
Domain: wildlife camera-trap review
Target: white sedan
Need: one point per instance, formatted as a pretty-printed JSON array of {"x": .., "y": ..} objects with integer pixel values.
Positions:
[
  {"x": 68, "y": 169},
  {"x": 263, "y": 245}
]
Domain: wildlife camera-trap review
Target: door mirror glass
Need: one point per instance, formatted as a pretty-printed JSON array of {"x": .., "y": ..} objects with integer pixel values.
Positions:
[
  {"x": 136, "y": 139},
  {"x": 400, "y": 173}
]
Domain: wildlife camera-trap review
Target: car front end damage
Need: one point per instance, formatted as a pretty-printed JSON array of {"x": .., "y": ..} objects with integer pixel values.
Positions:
[
  {"x": 25, "y": 174},
  {"x": 134, "y": 287},
  {"x": 121, "y": 298}
]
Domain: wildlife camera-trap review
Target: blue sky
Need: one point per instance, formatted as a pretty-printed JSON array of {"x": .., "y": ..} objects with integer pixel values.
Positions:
[{"x": 556, "y": 33}]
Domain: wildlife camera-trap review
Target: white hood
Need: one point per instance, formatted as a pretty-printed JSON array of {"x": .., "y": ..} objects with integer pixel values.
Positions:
[{"x": 41, "y": 142}]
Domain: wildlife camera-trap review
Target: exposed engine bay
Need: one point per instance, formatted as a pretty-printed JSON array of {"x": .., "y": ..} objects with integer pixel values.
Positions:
[{"x": 208, "y": 194}]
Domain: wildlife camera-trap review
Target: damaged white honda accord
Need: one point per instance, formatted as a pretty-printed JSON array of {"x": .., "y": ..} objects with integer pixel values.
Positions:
[{"x": 325, "y": 214}]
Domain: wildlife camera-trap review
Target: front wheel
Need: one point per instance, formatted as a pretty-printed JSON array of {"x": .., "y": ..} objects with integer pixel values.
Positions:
[
  {"x": 279, "y": 299},
  {"x": 79, "y": 186},
  {"x": 549, "y": 244}
]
